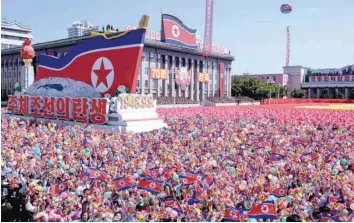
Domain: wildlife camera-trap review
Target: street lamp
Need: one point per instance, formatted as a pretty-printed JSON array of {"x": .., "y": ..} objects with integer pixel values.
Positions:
[{"x": 270, "y": 81}]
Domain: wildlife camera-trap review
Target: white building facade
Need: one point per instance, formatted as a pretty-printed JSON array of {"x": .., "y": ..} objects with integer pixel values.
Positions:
[
  {"x": 13, "y": 34},
  {"x": 81, "y": 28}
]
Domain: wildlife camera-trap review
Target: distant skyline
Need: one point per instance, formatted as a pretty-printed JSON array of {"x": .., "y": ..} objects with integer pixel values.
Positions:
[{"x": 254, "y": 30}]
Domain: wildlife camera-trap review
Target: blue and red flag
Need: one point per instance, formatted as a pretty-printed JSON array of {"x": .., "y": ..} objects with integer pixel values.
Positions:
[
  {"x": 232, "y": 214},
  {"x": 155, "y": 172},
  {"x": 187, "y": 180},
  {"x": 104, "y": 63},
  {"x": 279, "y": 152},
  {"x": 308, "y": 157},
  {"x": 174, "y": 204},
  {"x": 97, "y": 174},
  {"x": 264, "y": 210},
  {"x": 177, "y": 33},
  {"x": 208, "y": 181},
  {"x": 280, "y": 192},
  {"x": 146, "y": 173},
  {"x": 60, "y": 187},
  {"x": 124, "y": 183},
  {"x": 151, "y": 185},
  {"x": 327, "y": 218}
]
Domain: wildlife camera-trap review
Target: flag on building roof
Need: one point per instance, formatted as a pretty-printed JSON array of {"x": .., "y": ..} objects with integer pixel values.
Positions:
[{"x": 177, "y": 33}]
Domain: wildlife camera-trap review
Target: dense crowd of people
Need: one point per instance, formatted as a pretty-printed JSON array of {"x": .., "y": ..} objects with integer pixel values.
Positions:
[
  {"x": 173, "y": 100},
  {"x": 223, "y": 99},
  {"x": 210, "y": 164}
]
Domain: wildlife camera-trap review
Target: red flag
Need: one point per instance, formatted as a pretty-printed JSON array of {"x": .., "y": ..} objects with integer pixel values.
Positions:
[
  {"x": 175, "y": 32},
  {"x": 222, "y": 75}
]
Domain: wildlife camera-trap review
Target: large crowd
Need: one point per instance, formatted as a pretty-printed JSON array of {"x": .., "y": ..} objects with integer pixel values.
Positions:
[{"x": 210, "y": 164}]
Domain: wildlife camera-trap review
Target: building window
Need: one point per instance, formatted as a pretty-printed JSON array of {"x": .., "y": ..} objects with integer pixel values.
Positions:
[
  {"x": 146, "y": 84},
  {"x": 154, "y": 84},
  {"x": 138, "y": 84}
]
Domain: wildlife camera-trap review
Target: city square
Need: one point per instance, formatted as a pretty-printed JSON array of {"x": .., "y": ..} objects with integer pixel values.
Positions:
[{"x": 141, "y": 124}]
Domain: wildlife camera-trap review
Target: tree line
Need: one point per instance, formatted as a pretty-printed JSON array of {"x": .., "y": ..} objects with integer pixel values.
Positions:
[{"x": 258, "y": 90}]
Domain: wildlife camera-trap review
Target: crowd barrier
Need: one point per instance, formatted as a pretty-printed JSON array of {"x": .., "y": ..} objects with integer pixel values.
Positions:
[{"x": 307, "y": 101}]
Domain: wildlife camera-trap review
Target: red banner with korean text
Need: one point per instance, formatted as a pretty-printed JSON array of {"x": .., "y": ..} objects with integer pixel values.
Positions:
[
  {"x": 62, "y": 108},
  {"x": 222, "y": 76},
  {"x": 341, "y": 78}
]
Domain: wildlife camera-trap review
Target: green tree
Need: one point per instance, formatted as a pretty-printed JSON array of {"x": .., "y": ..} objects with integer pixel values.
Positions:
[
  {"x": 338, "y": 95},
  {"x": 308, "y": 75},
  {"x": 351, "y": 94},
  {"x": 298, "y": 93},
  {"x": 255, "y": 88},
  {"x": 324, "y": 93}
]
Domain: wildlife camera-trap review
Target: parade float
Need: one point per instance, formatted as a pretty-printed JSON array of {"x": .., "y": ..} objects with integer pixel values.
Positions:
[{"x": 94, "y": 82}]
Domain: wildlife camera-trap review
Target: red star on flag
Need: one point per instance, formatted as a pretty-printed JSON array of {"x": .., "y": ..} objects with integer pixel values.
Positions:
[{"x": 102, "y": 74}]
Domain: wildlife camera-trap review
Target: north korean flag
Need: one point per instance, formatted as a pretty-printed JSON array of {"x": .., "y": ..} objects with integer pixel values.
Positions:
[
  {"x": 208, "y": 181},
  {"x": 97, "y": 174},
  {"x": 124, "y": 183},
  {"x": 146, "y": 173},
  {"x": 60, "y": 188},
  {"x": 232, "y": 214},
  {"x": 187, "y": 180},
  {"x": 327, "y": 218},
  {"x": 174, "y": 204},
  {"x": 279, "y": 152},
  {"x": 151, "y": 185},
  {"x": 280, "y": 192},
  {"x": 177, "y": 33},
  {"x": 308, "y": 157},
  {"x": 274, "y": 158},
  {"x": 264, "y": 210},
  {"x": 101, "y": 62},
  {"x": 195, "y": 175},
  {"x": 155, "y": 172}
]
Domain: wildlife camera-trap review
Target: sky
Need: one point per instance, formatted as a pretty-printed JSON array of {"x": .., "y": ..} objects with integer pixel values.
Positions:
[{"x": 322, "y": 34}]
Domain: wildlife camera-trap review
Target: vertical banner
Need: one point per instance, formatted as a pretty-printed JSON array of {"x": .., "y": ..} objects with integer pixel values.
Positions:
[
  {"x": 208, "y": 29},
  {"x": 222, "y": 75}
]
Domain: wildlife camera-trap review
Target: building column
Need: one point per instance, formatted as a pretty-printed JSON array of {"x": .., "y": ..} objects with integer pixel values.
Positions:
[
  {"x": 209, "y": 65},
  {"x": 191, "y": 87},
  {"x": 318, "y": 93},
  {"x": 172, "y": 77},
  {"x": 158, "y": 65},
  {"x": 336, "y": 90},
  {"x": 204, "y": 65},
  {"x": 142, "y": 70},
  {"x": 308, "y": 92},
  {"x": 186, "y": 92},
  {"x": 197, "y": 93},
  {"x": 179, "y": 69},
  {"x": 151, "y": 59},
  {"x": 212, "y": 77},
  {"x": 166, "y": 90},
  {"x": 346, "y": 93}
]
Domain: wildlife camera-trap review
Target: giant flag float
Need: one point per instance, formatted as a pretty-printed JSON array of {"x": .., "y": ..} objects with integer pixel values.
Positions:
[{"x": 71, "y": 87}]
